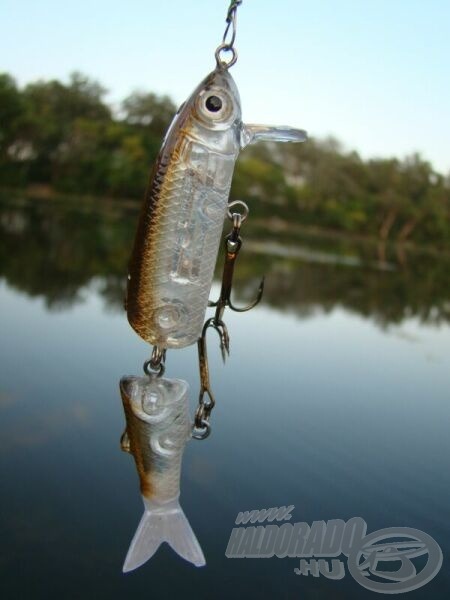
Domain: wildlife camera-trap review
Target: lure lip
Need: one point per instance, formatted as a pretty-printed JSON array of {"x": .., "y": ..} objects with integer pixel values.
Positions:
[{"x": 251, "y": 133}]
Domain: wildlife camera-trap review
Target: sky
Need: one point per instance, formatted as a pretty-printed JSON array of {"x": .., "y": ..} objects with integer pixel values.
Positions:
[{"x": 373, "y": 73}]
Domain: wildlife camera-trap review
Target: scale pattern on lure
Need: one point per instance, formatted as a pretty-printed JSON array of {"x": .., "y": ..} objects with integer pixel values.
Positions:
[
  {"x": 158, "y": 427},
  {"x": 179, "y": 231}
]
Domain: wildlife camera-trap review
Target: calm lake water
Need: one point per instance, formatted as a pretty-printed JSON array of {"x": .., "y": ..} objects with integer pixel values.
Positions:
[{"x": 335, "y": 399}]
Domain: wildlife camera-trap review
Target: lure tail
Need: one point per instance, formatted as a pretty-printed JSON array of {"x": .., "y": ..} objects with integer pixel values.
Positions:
[{"x": 163, "y": 523}]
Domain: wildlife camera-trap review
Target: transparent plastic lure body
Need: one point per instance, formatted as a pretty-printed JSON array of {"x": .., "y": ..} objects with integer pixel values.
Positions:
[
  {"x": 180, "y": 225},
  {"x": 158, "y": 427}
]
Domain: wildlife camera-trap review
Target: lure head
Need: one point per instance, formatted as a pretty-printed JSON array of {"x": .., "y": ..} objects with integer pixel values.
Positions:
[
  {"x": 216, "y": 104},
  {"x": 213, "y": 112}
]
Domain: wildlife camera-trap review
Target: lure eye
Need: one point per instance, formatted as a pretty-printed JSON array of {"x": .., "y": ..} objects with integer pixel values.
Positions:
[
  {"x": 213, "y": 103},
  {"x": 215, "y": 108}
]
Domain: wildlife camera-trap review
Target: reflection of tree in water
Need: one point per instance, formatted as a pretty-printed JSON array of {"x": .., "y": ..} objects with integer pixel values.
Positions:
[
  {"x": 388, "y": 297},
  {"x": 54, "y": 250}
]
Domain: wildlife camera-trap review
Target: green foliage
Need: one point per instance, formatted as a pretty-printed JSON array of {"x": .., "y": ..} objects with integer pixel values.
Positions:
[
  {"x": 66, "y": 137},
  {"x": 11, "y": 114},
  {"x": 149, "y": 110},
  {"x": 11, "y": 109}
]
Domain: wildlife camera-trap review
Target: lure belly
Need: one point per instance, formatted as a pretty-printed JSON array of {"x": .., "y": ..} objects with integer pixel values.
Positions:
[
  {"x": 158, "y": 427},
  {"x": 180, "y": 226}
]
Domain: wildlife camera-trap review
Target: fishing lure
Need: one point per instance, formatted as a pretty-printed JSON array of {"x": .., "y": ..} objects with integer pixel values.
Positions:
[{"x": 169, "y": 281}]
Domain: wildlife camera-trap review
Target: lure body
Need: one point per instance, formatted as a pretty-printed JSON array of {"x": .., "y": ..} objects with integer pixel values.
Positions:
[
  {"x": 157, "y": 429},
  {"x": 179, "y": 230}
]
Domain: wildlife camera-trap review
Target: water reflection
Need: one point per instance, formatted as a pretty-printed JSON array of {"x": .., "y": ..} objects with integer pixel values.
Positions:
[
  {"x": 331, "y": 413},
  {"x": 54, "y": 250}
]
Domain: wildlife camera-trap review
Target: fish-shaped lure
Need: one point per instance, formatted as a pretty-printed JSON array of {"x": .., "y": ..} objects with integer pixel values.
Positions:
[
  {"x": 179, "y": 231},
  {"x": 158, "y": 427}
]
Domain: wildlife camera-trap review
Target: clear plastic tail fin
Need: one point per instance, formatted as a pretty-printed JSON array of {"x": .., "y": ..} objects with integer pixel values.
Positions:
[{"x": 163, "y": 523}]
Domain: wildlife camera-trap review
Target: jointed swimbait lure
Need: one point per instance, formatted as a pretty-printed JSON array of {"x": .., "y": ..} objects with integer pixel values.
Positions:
[{"x": 169, "y": 281}]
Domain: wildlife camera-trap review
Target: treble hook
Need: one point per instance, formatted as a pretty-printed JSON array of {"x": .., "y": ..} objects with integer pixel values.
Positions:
[
  {"x": 202, "y": 428},
  {"x": 233, "y": 244}
]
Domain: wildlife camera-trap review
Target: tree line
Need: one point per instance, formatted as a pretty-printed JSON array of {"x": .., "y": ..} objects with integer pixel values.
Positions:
[{"x": 65, "y": 136}]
